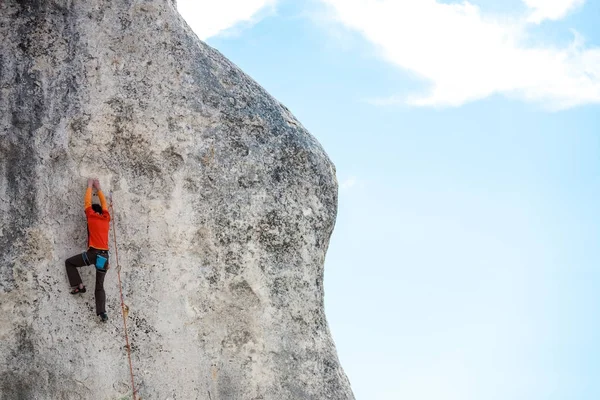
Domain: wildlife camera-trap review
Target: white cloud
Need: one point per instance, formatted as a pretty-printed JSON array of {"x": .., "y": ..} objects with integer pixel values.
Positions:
[
  {"x": 208, "y": 18},
  {"x": 467, "y": 55},
  {"x": 348, "y": 183},
  {"x": 550, "y": 9}
]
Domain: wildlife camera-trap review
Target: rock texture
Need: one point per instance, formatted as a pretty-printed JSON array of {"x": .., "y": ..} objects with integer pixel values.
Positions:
[{"x": 224, "y": 205}]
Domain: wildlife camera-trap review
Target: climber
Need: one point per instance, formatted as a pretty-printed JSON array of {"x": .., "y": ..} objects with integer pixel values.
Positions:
[{"x": 98, "y": 220}]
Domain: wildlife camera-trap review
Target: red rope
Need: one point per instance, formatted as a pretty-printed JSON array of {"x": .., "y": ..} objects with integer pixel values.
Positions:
[{"x": 122, "y": 301}]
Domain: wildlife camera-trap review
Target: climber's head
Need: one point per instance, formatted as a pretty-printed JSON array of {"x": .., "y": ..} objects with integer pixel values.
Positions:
[{"x": 97, "y": 208}]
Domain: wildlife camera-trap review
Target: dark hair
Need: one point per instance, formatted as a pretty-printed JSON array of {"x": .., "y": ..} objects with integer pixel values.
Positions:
[{"x": 97, "y": 208}]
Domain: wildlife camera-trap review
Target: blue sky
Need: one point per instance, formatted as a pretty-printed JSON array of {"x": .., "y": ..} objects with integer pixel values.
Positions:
[{"x": 466, "y": 136}]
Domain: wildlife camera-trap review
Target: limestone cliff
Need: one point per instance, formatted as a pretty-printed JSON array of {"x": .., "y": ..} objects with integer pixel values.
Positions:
[{"x": 224, "y": 205}]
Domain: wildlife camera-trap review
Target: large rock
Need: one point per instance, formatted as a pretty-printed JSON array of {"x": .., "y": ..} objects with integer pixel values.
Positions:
[{"x": 224, "y": 205}]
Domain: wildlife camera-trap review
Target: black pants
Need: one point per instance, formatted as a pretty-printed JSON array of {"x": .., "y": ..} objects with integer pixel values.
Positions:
[{"x": 88, "y": 258}]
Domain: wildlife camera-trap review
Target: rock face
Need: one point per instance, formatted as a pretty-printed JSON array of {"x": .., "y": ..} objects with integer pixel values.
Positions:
[{"x": 223, "y": 209}]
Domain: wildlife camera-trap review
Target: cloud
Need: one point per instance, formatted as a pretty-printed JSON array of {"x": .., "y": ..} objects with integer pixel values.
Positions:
[
  {"x": 467, "y": 55},
  {"x": 348, "y": 183},
  {"x": 210, "y": 18},
  {"x": 550, "y": 9}
]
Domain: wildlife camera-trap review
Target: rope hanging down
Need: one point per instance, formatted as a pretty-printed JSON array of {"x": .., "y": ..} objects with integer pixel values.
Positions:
[{"x": 124, "y": 308}]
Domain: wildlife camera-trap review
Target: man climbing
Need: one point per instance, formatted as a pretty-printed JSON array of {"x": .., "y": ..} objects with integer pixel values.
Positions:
[{"x": 98, "y": 220}]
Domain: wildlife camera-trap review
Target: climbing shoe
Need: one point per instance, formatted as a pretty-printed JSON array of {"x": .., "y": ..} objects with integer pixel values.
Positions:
[
  {"x": 103, "y": 317},
  {"x": 78, "y": 290}
]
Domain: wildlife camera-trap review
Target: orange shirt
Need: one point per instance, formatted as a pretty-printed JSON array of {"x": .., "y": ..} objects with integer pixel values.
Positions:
[{"x": 98, "y": 224}]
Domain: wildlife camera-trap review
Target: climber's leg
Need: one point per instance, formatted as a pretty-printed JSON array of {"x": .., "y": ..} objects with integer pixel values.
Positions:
[
  {"x": 72, "y": 264},
  {"x": 100, "y": 294}
]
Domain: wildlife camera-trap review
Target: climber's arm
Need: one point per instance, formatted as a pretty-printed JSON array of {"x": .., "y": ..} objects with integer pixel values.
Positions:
[
  {"x": 102, "y": 200},
  {"x": 103, "y": 203},
  {"x": 88, "y": 195}
]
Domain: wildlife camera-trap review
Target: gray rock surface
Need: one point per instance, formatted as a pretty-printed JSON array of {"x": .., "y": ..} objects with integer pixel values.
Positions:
[{"x": 224, "y": 205}]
